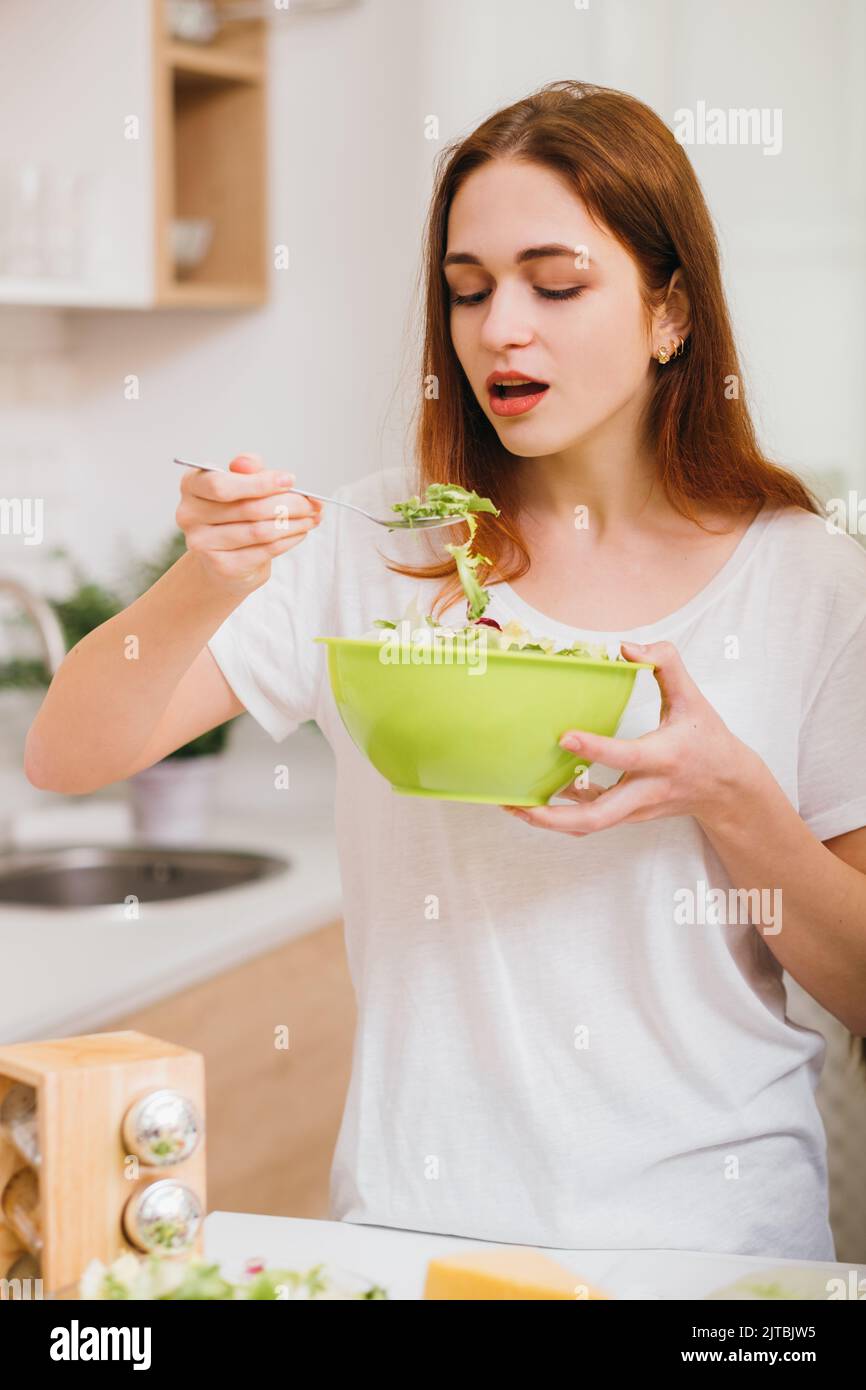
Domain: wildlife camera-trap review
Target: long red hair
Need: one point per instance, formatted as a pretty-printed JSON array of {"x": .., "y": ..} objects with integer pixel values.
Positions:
[{"x": 624, "y": 163}]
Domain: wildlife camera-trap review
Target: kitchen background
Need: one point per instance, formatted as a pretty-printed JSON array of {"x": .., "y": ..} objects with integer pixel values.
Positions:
[{"x": 307, "y": 141}]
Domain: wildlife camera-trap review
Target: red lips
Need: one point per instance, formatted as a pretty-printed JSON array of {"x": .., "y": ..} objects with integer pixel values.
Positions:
[{"x": 511, "y": 394}]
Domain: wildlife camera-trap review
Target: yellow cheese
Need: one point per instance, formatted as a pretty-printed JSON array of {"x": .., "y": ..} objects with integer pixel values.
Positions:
[{"x": 495, "y": 1274}]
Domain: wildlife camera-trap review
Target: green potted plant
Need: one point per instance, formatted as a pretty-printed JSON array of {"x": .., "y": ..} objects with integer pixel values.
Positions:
[{"x": 169, "y": 799}]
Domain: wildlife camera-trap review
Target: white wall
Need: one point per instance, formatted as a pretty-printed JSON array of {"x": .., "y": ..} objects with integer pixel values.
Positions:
[
  {"x": 320, "y": 380},
  {"x": 792, "y": 226}
]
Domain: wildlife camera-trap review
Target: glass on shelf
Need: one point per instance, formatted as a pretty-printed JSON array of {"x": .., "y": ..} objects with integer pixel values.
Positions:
[{"x": 50, "y": 222}]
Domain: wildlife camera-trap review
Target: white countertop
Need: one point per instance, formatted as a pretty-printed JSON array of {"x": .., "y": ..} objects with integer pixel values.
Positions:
[
  {"x": 74, "y": 971},
  {"x": 397, "y": 1259}
]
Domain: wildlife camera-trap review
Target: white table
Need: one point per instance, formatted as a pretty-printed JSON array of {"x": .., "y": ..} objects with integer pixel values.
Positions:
[{"x": 397, "y": 1259}]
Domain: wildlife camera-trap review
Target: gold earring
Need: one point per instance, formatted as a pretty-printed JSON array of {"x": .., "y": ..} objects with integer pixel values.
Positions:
[{"x": 664, "y": 355}]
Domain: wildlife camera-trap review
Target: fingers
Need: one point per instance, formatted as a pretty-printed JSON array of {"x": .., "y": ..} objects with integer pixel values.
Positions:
[
  {"x": 246, "y": 507},
  {"x": 627, "y": 754},
  {"x": 246, "y": 463},
  {"x": 653, "y": 757},
  {"x": 246, "y": 478},
  {"x": 235, "y": 564},
  {"x": 612, "y": 806},
  {"x": 281, "y": 504},
  {"x": 581, "y": 794},
  {"x": 243, "y": 535},
  {"x": 674, "y": 681}
]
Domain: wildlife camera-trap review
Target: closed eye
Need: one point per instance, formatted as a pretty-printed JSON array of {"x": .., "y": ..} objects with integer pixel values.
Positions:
[
  {"x": 469, "y": 298},
  {"x": 571, "y": 293}
]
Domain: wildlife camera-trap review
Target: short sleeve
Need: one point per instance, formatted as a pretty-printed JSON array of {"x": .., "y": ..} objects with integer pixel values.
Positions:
[
  {"x": 832, "y": 762},
  {"x": 265, "y": 648}
]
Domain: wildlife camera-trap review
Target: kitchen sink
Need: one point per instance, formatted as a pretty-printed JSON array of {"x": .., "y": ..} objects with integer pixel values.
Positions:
[{"x": 89, "y": 875}]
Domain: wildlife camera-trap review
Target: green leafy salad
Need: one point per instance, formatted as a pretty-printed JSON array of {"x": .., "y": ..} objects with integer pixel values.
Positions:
[
  {"x": 447, "y": 499},
  {"x": 195, "y": 1279},
  {"x": 450, "y": 500}
]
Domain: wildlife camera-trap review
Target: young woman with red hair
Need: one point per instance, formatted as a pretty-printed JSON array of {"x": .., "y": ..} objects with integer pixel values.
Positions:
[{"x": 549, "y": 1051}]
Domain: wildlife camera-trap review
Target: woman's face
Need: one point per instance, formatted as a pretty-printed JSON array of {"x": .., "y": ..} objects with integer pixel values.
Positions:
[{"x": 571, "y": 318}]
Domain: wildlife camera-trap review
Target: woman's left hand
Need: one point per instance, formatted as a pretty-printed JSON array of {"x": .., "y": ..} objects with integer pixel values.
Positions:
[{"x": 691, "y": 765}]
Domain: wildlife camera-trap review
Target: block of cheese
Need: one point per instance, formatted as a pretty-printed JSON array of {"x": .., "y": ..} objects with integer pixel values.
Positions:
[{"x": 496, "y": 1274}]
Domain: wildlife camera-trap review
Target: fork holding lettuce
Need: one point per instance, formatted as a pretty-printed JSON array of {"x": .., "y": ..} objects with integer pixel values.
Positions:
[
  {"x": 446, "y": 500},
  {"x": 449, "y": 499}
]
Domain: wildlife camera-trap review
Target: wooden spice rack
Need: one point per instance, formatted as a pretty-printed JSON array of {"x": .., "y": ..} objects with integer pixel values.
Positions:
[{"x": 84, "y": 1087}]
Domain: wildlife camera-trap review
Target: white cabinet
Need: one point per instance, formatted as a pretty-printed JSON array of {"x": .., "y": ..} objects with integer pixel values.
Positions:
[{"x": 111, "y": 131}]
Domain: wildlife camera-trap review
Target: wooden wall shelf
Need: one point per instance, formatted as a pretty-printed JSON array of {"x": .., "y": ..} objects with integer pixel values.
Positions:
[
  {"x": 198, "y": 60},
  {"x": 211, "y": 296},
  {"x": 211, "y": 163}
]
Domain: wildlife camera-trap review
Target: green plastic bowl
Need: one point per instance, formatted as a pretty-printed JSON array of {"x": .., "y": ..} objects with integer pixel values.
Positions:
[{"x": 458, "y": 734}]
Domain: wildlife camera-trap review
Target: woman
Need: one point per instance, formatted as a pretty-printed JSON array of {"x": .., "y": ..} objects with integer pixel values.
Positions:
[{"x": 558, "y": 1044}]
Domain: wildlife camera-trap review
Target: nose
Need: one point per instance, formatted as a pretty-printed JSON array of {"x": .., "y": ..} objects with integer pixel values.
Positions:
[{"x": 506, "y": 323}]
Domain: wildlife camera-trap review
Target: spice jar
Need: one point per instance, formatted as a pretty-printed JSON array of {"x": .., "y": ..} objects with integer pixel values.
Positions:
[
  {"x": 18, "y": 1121},
  {"x": 20, "y": 1204}
]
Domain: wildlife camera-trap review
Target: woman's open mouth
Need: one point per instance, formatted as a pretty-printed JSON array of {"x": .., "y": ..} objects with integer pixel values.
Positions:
[{"x": 515, "y": 396}]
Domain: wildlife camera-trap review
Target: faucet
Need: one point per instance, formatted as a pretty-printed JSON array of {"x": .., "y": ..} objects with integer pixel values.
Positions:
[{"x": 43, "y": 615}]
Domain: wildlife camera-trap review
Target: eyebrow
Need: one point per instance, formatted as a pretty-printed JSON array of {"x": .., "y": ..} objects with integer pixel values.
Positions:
[{"x": 530, "y": 253}]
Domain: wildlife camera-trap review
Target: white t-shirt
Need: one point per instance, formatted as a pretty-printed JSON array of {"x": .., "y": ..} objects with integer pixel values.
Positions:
[{"x": 554, "y": 1060}]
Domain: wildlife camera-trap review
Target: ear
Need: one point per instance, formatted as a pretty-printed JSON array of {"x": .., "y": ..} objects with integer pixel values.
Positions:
[{"x": 672, "y": 319}]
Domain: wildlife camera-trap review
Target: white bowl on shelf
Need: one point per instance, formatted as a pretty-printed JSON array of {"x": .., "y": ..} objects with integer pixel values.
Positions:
[
  {"x": 192, "y": 21},
  {"x": 191, "y": 238}
]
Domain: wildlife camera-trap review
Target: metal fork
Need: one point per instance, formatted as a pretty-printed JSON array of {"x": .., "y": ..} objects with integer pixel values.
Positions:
[{"x": 423, "y": 524}]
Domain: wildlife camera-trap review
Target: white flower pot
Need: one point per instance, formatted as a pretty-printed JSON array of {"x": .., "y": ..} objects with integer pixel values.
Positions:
[{"x": 171, "y": 800}]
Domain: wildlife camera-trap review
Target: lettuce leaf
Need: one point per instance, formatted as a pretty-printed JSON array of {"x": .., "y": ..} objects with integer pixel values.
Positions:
[{"x": 444, "y": 499}]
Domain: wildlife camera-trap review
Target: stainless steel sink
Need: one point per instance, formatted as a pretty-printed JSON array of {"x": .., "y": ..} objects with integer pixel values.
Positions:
[{"x": 90, "y": 875}]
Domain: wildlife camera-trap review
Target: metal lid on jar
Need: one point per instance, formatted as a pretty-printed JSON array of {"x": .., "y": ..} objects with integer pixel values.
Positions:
[
  {"x": 162, "y": 1128},
  {"x": 163, "y": 1218}
]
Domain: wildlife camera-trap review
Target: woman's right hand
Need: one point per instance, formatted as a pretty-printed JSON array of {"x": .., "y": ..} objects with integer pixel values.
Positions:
[{"x": 236, "y": 523}]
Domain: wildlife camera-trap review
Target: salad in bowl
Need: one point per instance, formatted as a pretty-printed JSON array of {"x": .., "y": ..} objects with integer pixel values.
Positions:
[{"x": 472, "y": 713}]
